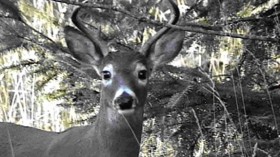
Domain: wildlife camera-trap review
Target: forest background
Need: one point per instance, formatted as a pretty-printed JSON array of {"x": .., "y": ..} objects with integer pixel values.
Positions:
[{"x": 219, "y": 97}]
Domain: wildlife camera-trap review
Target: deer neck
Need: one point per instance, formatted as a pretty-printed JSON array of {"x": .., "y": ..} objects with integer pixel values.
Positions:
[{"x": 116, "y": 133}]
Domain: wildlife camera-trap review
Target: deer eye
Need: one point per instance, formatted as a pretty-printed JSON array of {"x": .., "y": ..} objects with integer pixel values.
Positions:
[
  {"x": 142, "y": 74},
  {"x": 106, "y": 75}
]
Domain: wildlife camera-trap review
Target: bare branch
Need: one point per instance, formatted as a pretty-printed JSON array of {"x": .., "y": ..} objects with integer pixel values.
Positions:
[
  {"x": 190, "y": 27},
  {"x": 221, "y": 33}
]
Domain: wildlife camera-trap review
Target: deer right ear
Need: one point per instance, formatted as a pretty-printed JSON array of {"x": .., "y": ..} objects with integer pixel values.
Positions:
[
  {"x": 81, "y": 47},
  {"x": 166, "y": 48}
]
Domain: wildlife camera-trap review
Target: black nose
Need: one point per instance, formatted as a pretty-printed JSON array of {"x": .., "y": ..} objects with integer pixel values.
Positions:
[{"x": 124, "y": 101}]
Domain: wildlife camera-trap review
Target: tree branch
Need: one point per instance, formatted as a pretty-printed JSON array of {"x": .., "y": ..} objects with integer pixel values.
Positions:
[
  {"x": 221, "y": 33},
  {"x": 190, "y": 27}
]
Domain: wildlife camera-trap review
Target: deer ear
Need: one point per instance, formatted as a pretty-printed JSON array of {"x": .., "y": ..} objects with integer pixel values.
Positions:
[
  {"x": 166, "y": 48},
  {"x": 81, "y": 47}
]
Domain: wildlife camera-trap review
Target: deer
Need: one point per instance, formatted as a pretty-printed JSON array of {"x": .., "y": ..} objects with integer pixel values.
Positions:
[{"x": 124, "y": 83}]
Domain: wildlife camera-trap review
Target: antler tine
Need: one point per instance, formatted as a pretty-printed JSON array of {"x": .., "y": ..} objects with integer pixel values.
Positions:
[
  {"x": 173, "y": 20},
  {"x": 92, "y": 35}
]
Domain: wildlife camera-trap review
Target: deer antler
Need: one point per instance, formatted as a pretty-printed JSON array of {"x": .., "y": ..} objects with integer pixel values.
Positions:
[{"x": 92, "y": 35}]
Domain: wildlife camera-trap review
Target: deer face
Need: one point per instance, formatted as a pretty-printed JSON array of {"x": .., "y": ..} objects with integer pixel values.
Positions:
[{"x": 124, "y": 81}]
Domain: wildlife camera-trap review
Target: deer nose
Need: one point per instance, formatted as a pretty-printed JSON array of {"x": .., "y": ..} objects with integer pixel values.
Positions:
[{"x": 124, "y": 102}]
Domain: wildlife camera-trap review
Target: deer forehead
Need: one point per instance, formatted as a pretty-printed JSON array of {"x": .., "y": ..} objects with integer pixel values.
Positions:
[{"x": 124, "y": 62}]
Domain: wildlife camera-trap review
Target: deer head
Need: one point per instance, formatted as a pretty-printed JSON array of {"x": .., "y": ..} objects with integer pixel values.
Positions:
[{"x": 124, "y": 73}]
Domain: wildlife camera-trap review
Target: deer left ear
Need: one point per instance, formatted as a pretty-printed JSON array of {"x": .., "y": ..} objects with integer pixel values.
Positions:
[{"x": 166, "y": 48}]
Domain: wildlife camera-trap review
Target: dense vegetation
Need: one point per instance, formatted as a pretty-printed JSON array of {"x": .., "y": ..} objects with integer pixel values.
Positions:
[{"x": 220, "y": 97}]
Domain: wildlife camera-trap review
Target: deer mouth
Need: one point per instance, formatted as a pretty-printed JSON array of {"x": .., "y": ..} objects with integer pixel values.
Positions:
[
  {"x": 125, "y": 105},
  {"x": 126, "y": 108}
]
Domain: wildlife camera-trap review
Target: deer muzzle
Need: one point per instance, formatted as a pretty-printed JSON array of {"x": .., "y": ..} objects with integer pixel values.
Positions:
[{"x": 125, "y": 103}]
